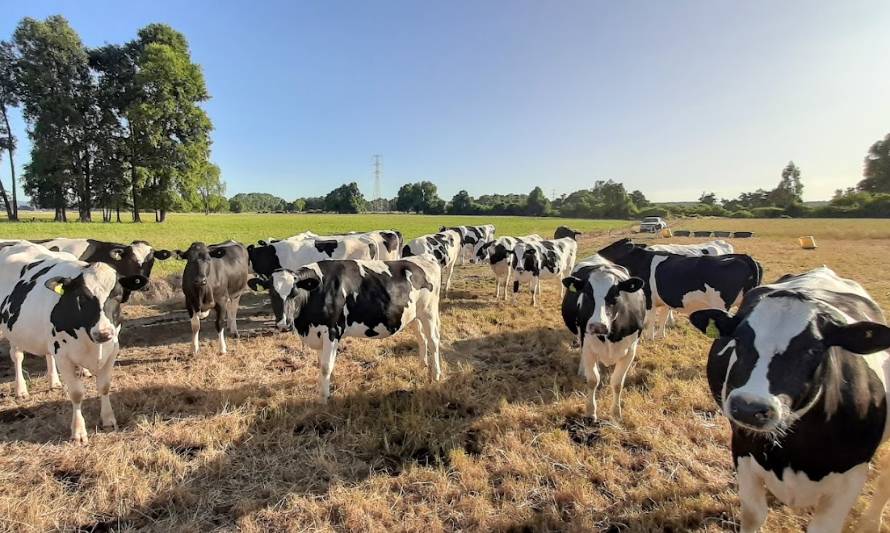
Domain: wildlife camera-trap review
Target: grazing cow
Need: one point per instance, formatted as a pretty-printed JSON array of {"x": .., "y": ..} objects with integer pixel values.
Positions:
[
  {"x": 51, "y": 303},
  {"x": 471, "y": 239},
  {"x": 686, "y": 284},
  {"x": 536, "y": 260},
  {"x": 802, "y": 372},
  {"x": 565, "y": 231},
  {"x": 136, "y": 258},
  {"x": 605, "y": 307},
  {"x": 443, "y": 246},
  {"x": 499, "y": 254},
  {"x": 326, "y": 301},
  {"x": 214, "y": 277},
  {"x": 294, "y": 253}
]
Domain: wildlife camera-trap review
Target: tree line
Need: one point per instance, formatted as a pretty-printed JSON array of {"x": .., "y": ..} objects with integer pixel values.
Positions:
[{"x": 118, "y": 127}]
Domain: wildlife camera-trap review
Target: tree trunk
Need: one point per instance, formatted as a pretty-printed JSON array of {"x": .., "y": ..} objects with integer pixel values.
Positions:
[
  {"x": 15, "y": 204},
  {"x": 135, "y": 200},
  {"x": 118, "y": 212},
  {"x": 9, "y": 214},
  {"x": 163, "y": 215},
  {"x": 86, "y": 206}
]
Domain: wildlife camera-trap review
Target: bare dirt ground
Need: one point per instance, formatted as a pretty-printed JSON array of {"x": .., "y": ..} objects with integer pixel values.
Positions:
[{"x": 238, "y": 441}]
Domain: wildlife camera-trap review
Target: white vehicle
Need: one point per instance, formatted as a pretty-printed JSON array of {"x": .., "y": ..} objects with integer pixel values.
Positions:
[{"x": 652, "y": 224}]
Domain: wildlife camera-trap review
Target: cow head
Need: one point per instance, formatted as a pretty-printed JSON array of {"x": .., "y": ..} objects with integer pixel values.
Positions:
[
  {"x": 138, "y": 258},
  {"x": 197, "y": 266},
  {"x": 481, "y": 252},
  {"x": 768, "y": 364},
  {"x": 600, "y": 292},
  {"x": 287, "y": 290},
  {"x": 263, "y": 259},
  {"x": 91, "y": 301},
  {"x": 526, "y": 259},
  {"x": 617, "y": 249}
]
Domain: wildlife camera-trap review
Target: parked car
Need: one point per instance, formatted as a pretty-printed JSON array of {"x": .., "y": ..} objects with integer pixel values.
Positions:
[{"x": 652, "y": 224}]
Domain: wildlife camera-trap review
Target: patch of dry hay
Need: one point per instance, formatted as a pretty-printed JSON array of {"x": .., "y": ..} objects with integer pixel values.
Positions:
[{"x": 238, "y": 441}]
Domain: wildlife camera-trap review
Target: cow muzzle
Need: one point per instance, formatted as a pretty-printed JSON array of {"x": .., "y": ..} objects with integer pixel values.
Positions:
[
  {"x": 201, "y": 281},
  {"x": 597, "y": 328},
  {"x": 284, "y": 326},
  {"x": 102, "y": 335},
  {"x": 753, "y": 413}
]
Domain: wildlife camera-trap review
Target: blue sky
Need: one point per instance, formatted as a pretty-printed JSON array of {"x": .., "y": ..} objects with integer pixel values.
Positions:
[{"x": 672, "y": 98}]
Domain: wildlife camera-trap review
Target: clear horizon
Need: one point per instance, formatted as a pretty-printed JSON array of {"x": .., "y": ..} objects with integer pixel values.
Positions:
[{"x": 498, "y": 97}]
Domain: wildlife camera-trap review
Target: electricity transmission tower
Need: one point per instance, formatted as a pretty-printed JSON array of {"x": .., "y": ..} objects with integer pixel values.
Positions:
[{"x": 378, "y": 170}]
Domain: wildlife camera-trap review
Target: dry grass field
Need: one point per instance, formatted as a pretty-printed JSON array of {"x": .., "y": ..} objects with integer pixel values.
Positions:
[{"x": 237, "y": 442}]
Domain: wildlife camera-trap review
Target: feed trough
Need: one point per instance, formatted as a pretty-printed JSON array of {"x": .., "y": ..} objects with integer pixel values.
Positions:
[
  {"x": 701, "y": 233},
  {"x": 743, "y": 234}
]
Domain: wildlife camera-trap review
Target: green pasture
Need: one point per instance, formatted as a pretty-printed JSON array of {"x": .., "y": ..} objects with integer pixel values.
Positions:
[{"x": 180, "y": 230}]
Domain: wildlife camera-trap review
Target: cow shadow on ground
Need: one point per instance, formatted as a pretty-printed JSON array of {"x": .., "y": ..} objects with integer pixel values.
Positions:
[{"x": 300, "y": 447}]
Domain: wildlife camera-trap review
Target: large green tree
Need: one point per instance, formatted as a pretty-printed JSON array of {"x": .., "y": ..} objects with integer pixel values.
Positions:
[
  {"x": 420, "y": 197},
  {"x": 790, "y": 188},
  {"x": 8, "y": 99},
  {"x": 537, "y": 204},
  {"x": 876, "y": 173},
  {"x": 345, "y": 199}
]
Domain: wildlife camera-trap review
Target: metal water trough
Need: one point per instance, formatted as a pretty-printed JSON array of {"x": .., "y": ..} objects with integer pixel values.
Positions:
[
  {"x": 722, "y": 233},
  {"x": 701, "y": 233},
  {"x": 681, "y": 233},
  {"x": 743, "y": 234}
]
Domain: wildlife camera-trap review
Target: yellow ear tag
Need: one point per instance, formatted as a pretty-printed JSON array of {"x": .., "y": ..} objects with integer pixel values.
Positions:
[
  {"x": 712, "y": 330},
  {"x": 60, "y": 290},
  {"x": 572, "y": 288}
]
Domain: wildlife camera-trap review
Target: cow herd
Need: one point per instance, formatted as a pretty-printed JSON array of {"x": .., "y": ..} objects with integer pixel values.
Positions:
[{"x": 801, "y": 367}]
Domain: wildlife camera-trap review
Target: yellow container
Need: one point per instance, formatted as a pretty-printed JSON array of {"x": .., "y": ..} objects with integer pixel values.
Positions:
[
  {"x": 667, "y": 233},
  {"x": 807, "y": 242}
]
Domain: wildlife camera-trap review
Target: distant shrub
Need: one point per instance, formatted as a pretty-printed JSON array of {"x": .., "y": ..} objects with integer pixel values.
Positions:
[
  {"x": 767, "y": 212},
  {"x": 741, "y": 213},
  {"x": 654, "y": 212}
]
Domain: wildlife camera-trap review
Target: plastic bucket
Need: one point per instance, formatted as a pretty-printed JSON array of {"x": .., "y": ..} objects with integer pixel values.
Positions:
[
  {"x": 667, "y": 233},
  {"x": 807, "y": 242}
]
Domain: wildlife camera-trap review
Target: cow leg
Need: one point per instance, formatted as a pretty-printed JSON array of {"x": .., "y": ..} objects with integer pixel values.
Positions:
[
  {"x": 326, "y": 358},
  {"x": 617, "y": 379},
  {"x": 75, "y": 393},
  {"x": 831, "y": 512},
  {"x": 592, "y": 373},
  {"x": 221, "y": 327},
  {"x": 870, "y": 522},
  {"x": 752, "y": 496},
  {"x": 52, "y": 372},
  {"x": 421, "y": 342},
  {"x": 664, "y": 319},
  {"x": 536, "y": 288},
  {"x": 232, "y": 315},
  {"x": 448, "y": 278},
  {"x": 17, "y": 356},
  {"x": 103, "y": 386},
  {"x": 430, "y": 326},
  {"x": 670, "y": 319},
  {"x": 196, "y": 328},
  {"x": 497, "y": 288},
  {"x": 649, "y": 323}
]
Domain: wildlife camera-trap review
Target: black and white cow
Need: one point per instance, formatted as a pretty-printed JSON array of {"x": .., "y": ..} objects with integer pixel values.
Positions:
[
  {"x": 565, "y": 231},
  {"x": 53, "y": 304},
  {"x": 136, "y": 258},
  {"x": 537, "y": 260},
  {"x": 329, "y": 300},
  {"x": 214, "y": 277},
  {"x": 686, "y": 284},
  {"x": 294, "y": 253},
  {"x": 499, "y": 254},
  {"x": 471, "y": 239},
  {"x": 389, "y": 242},
  {"x": 802, "y": 373},
  {"x": 605, "y": 307},
  {"x": 443, "y": 246}
]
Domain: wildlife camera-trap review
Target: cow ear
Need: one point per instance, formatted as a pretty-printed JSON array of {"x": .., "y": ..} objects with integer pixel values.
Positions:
[
  {"x": 179, "y": 253},
  {"x": 859, "y": 337},
  {"x": 218, "y": 252},
  {"x": 57, "y": 284},
  {"x": 707, "y": 320},
  {"x": 116, "y": 253},
  {"x": 162, "y": 254},
  {"x": 261, "y": 242},
  {"x": 133, "y": 283},
  {"x": 573, "y": 284},
  {"x": 257, "y": 284},
  {"x": 308, "y": 284},
  {"x": 630, "y": 285}
]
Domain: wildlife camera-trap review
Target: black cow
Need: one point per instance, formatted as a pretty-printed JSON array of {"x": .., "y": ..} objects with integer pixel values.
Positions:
[
  {"x": 684, "y": 283},
  {"x": 214, "y": 277},
  {"x": 802, "y": 373},
  {"x": 326, "y": 301},
  {"x": 565, "y": 231},
  {"x": 606, "y": 309},
  {"x": 134, "y": 259}
]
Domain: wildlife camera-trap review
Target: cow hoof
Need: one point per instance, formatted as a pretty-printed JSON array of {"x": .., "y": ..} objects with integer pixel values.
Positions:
[
  {"x": 85, "y": 373},
  {"x": 80, "y": 437},
  {"x": 110, "y": 426},
  {"x": 22, "y": 395},
  {"x": 55, "y": 385}
]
